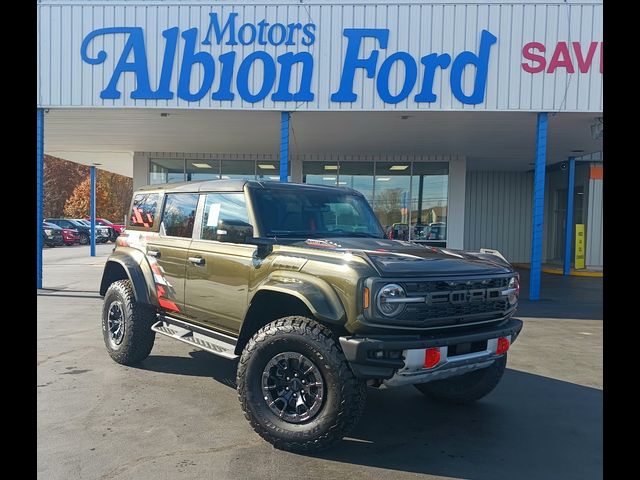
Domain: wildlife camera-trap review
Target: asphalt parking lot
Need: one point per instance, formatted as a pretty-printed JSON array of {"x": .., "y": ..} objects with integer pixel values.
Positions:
[{"x": 177, "y": 415}]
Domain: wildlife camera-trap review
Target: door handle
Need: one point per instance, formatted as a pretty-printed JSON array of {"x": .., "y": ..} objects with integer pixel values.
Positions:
[
  {"x": 153, "y": 253},
  {"x": 197, "y": 260}
]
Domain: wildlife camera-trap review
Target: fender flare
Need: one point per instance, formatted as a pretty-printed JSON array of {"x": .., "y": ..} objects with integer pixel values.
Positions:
[
  {"x": 319, "y": 297},
  {"x": 138, "y": 270}
]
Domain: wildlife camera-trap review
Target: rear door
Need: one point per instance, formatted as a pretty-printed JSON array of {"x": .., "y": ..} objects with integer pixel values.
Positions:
[
  {"x": 167, "y": 251},
  {"x": 220, "y": 263}
]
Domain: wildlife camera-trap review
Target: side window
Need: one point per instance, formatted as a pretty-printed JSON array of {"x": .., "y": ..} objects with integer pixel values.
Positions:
[
  {"x": 179, "y": 214},
  {"x": 225, "y": 218},
  {"x": 143, "y": 210}
]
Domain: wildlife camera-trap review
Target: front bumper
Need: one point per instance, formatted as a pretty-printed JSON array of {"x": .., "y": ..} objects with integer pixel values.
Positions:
[{"x": 398, "y": 363}]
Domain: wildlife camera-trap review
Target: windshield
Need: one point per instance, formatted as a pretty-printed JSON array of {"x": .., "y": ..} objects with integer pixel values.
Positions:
[
  {"x": 309, "y": 213},
  {"x": 78, "y": 223}
]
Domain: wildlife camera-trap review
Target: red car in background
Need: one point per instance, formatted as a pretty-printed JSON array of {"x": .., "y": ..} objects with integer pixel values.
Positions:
[
  {"x": 70, "y": 236},
  {"x": 116, "y": 228}
]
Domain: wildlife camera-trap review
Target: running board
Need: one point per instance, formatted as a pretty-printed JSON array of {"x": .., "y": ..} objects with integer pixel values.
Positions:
[{"x": 213, "y": 342}]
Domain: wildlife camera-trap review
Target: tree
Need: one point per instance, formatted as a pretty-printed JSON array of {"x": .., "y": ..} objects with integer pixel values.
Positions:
[
  {"x": 113, "y": 195},
  {"x": 120, "y": 190},
  {"x": 60, "y": 179},
  {"x": 388, "y": 206},
  {"x": 78, "y": 204}
]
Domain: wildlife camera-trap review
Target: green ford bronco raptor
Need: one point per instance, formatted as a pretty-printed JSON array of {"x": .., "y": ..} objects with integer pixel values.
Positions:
[{"x": 299, "y": 283}]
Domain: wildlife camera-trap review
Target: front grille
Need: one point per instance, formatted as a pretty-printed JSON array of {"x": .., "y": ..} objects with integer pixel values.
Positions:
[
  {"x": 431, "y": 312},
  {"x": 446, "y": 313},
  {"x": 451, "y": 285}
]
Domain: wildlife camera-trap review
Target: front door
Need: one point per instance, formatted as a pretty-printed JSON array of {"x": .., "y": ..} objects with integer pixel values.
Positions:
[
  {"x": 168, "y": 251},
  {"x": 219, "y": 263}
]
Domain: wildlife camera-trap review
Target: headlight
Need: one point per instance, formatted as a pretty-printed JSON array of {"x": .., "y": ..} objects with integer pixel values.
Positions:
[
  {"x": 514, "y": 284},
  {"x": 385, "y": 300},
  {"x": 48, "y": 232}
]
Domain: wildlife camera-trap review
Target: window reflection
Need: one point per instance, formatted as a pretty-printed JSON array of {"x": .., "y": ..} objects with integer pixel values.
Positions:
[
  {"x": 430, "y": 183},
  {"x": 269, "y": 171},
  {"x": 359, "y": 176},
  {"x": 391, "y": 202},
  {"x": 225, "y": 218},
  {"x": 409, "y": 198},
  {"x": 320, "y": 173},
  {"x": 203, "y": 170},
  {"x": 239, "y": 169},
  {"x": 166, "y": 170},
  {"x": 179, "y": 214}
]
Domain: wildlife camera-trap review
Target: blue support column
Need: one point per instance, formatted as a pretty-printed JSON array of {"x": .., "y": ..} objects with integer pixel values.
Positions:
[
  {"x": 538, "y": 207},
  {"x": 284, "y": 146},
  {"x": 92, "y": 211},
  {"x": 39, "y": 192},
  {"x": 568, "y": 230}
]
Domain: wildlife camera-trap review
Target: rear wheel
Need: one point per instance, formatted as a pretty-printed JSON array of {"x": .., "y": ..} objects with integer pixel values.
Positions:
[
  {"x": 126, "y": 324},
  {"x": 466, "y": 388},
  {"x": 296, "y": 388}
]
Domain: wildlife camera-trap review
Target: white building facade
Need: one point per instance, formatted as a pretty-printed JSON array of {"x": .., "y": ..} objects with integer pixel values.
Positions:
[{"x": 432, "y": 109}]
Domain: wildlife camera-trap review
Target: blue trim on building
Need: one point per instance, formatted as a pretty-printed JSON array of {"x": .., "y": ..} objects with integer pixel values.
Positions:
[
  {"x": 538, "y": 206},
  {"x": 92, "y": 211},
  {"x": 284, "y": 146},
  {"x": 39, "y": 192},
  {"x": 568, "y": 230}
]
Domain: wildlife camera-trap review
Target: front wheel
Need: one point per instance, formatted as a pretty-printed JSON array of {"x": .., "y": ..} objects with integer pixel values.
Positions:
[
  {"x": 84, "y": 239},
  {"x": 466, "y": 388},
  {"x": 296, "y": 387},
  {"x": 126, "y": 324}
]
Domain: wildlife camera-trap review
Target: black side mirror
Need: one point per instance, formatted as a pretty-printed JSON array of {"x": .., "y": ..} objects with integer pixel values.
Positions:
[{"x": 264, "y": 244}]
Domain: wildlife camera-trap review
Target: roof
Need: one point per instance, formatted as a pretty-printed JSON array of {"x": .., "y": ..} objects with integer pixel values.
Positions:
[{"x": 237, "y": 186}]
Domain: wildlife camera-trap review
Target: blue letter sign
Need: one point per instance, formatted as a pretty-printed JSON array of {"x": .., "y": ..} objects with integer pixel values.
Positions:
[{"x": 285, "y": 76}]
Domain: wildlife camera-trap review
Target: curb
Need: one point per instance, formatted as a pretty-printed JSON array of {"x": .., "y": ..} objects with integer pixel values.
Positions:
[{"x": 558, "y": 271}]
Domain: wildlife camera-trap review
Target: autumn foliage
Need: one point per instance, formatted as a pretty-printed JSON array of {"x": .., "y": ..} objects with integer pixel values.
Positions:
[{"x": 67, "y": 191}]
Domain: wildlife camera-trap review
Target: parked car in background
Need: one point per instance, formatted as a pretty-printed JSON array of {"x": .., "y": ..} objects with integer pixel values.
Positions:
[
  {"x": 84, "y": 230},
  {"x": 70, "y": 236},
  {"x": 51, "y": 235},
  {"x": 116, "y": 229},
  {"x": 398, "y": 231},
  {"x": 437, "y": 231},
  {"x": 111, "y": 236}
]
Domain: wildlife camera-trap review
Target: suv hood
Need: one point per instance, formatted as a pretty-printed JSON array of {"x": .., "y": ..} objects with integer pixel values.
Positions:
[{"x": 398, "y": 258}]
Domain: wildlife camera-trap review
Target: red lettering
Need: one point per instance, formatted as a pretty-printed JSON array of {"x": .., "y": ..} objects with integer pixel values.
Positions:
[
  {"x": 527, "y": 52},
  {"x": 585, "y": 64},
  {"x": 561, "y": 50}
]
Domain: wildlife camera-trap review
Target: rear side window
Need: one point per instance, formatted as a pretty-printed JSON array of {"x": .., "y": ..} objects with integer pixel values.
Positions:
[
  {"x": 144, "y": 210},
  {"x": 179, "y": 214}
]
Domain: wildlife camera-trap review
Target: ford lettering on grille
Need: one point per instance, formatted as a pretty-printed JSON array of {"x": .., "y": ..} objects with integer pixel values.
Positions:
[{"x": 464, "y": 296}]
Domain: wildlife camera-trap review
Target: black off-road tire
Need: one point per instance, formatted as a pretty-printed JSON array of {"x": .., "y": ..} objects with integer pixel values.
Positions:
[
  {"x": 466, "y": 388},
  {"x": 342, "y": 404},
  {"x": 138, "y": 338}
]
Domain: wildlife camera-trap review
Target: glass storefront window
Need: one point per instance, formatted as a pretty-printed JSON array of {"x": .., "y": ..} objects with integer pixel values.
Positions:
[
  {"x": 269, "y": 171},
  {"x": 203, "y": 170},
  {"x": 391, "y": 202},
  {"x": 166, "y": 170},
  {"x": 430, "y": 185},
  {"x": 359, "y": 176},
  {"x": 240, "y": 169},
  {"x": 409, "y": 198},
  {"x": 320, "y": 173}
]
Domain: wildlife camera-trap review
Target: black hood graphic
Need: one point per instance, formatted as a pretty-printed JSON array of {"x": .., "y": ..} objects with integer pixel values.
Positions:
[{"x": 398, "y": 258}]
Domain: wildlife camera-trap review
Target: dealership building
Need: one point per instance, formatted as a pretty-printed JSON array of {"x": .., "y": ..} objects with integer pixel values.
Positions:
[{"x": 466, "y": 124}]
